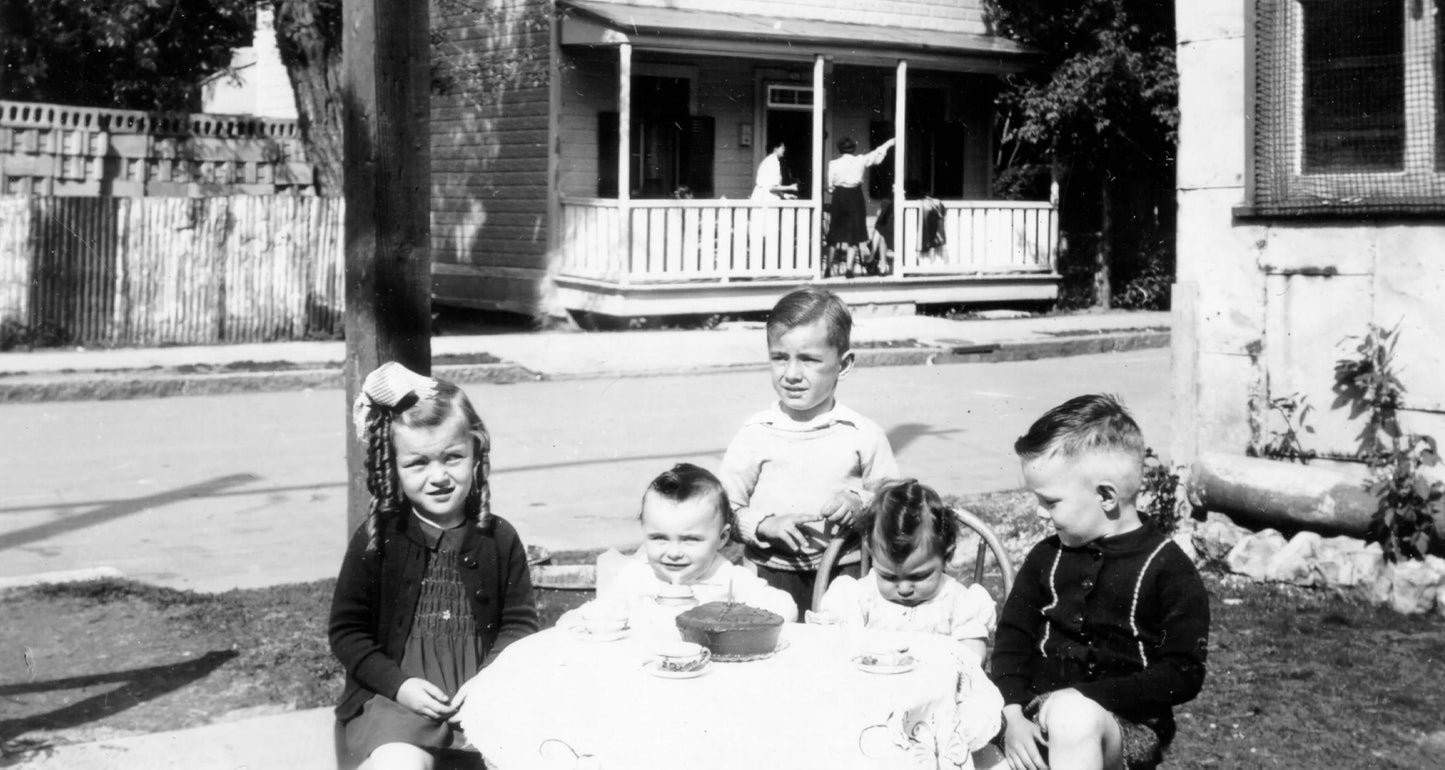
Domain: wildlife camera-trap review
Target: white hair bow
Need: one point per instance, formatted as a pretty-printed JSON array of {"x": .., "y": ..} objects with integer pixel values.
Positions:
[{"x": 390, "y": 385}]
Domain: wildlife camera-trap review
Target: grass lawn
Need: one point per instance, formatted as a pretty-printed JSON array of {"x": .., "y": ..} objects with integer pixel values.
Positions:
[{"x": 1297, "y": 678}]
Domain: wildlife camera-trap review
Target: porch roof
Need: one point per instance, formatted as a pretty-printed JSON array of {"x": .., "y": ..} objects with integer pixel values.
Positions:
[{"x": 755, "y": 36}]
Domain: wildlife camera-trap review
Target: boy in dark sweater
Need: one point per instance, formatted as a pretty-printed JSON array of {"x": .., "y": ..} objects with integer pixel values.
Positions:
[{"x": 1107, "y": 626}]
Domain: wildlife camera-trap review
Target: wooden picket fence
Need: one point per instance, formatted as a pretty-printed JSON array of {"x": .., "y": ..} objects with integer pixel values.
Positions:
[{"x": 162, "y": 271}]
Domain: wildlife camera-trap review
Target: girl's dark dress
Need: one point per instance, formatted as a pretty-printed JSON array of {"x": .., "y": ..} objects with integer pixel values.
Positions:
[{"x": 443, "y": 648}]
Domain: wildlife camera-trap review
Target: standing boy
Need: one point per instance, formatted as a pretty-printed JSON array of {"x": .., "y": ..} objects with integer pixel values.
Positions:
[
  {"x": 803, "y": 469},
  {"x": 1107, "y": 625}
]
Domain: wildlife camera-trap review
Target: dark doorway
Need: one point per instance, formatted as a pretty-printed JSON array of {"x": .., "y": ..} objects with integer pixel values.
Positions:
[
  {"x": 795, "y": 129},
  {"x": 935, "y": 146},
  {"x": 933, "y": 161}
]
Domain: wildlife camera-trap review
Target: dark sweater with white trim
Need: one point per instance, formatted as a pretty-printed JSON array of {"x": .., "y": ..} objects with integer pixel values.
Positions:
[{"x": 1124, "y": 620}]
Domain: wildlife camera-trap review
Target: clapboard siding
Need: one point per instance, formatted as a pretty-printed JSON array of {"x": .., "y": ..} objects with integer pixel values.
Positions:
[
  {"x": 490, "y": 135},
  {"x": 965, "y": 16}
]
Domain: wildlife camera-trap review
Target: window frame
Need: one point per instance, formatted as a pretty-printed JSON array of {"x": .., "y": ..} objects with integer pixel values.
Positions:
[{"x": 1317, "y": 194}]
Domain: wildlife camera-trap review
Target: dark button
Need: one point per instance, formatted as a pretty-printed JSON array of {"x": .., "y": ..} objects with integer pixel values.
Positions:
[
  {"x": 482, "y": 597},
  {"x": 470, "y": 562},
  {"x": 1097, "y": 555}
]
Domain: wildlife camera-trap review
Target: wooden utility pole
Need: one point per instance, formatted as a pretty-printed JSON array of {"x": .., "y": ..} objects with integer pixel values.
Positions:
[{"x": 387, "y": 183}]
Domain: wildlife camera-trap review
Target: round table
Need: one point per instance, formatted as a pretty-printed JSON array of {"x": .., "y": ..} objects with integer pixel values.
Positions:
[{"x": 557, "y": 700}]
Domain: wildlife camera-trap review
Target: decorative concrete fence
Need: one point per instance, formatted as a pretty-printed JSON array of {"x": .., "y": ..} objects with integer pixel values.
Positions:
[
  {"x": 159, "y": 271},
  {"x": 56, "y": 149}
]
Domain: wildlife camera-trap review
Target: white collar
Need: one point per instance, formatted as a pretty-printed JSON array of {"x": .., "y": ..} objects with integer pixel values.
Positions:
[{"x": 776, "y": 417}]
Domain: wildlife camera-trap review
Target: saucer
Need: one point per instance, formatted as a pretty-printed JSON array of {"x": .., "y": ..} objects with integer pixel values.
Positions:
[
  {"x": 577, "y": 632},
  {"x": 874, "y": 668},
  {"x": 651, "y": 667}
]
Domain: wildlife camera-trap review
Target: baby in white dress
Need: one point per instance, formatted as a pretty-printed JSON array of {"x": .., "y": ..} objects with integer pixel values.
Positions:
[
  {"x": 910, "y": 535},
  {"x": 686, "y": 520}
]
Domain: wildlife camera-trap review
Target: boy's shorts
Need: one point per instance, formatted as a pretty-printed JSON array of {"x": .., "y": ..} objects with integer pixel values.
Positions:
[{"x": 1139, "y": 742}]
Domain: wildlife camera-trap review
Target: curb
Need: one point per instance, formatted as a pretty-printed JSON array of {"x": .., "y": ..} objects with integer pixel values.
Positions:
[
  {"x": 66, "y": 576},
  {"x": 156, "y": 383},
  {"x": 990, "y": 353}
]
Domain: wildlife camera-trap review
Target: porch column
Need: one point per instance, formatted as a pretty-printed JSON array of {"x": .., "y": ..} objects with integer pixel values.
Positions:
[
  {"x": 624, "y": 156},
  {"x": 900, "y": 110},
  {"x": 819, "y": 182}
]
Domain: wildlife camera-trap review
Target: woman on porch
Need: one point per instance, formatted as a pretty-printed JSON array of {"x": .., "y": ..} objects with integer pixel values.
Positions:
[
  {"x": 848, "y": 210},
  {"x": 769, "y": 184}
]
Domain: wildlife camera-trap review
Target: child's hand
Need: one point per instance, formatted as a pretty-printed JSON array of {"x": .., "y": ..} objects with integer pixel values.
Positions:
[
  {"x": 843, "y": 509},
  {"x": 424, "y": 698},
  {"x": 460, "y": 698},
  {"x": 1022, "y": 740},
  {"x": 781, "y": 531}
]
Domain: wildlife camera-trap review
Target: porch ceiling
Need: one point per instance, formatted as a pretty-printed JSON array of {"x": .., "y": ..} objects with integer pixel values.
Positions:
[{"x": 763, "y": 37}]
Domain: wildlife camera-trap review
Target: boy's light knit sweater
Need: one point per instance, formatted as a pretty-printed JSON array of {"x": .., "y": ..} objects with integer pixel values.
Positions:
[{"x": 777, "y": 465}]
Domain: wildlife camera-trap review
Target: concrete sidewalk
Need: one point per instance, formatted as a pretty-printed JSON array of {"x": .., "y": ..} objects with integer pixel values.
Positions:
[
  {"x": 303, "y": 739},
  {"x": 294, "y": 740},
  {"x": 149, "y": 372}
]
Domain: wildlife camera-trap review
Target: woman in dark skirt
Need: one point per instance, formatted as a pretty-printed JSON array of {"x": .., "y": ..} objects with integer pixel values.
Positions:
[{"x": 848, "y": 209}]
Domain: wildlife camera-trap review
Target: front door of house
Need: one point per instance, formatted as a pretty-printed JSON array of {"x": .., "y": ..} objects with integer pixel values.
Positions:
[{"x": 790, "y": 120}]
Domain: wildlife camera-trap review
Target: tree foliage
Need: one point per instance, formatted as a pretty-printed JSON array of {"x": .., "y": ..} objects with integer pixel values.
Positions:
[
  {"x": 1108, "y": 82},
  {"x": 1102, "y": 110},
  {"x": 126, "y": 54}
]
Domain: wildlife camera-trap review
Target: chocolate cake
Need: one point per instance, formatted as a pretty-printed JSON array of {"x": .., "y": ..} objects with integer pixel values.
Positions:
[{"x": 731, "y": 630}]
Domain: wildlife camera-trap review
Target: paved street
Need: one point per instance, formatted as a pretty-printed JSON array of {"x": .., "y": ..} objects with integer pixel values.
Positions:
[{"x": 243, "y": 490}]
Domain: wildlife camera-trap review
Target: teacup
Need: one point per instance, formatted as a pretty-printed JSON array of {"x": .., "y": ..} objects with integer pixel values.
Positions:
[
  {"x": 682, "y": 656},
  {"x": 601, "y": 620},
  {"x": 821, "y": 618},
  {"x": 670, "y": 595},
  {"x": 884, "y": 649}
]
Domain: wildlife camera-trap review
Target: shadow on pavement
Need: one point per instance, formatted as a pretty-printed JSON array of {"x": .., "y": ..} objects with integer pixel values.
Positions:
[
  {"x": 119, "y": 509},
  {"x": 137, "y": 686}
]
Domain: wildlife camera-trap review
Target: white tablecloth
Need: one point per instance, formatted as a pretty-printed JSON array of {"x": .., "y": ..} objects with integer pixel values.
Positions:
[{"x": 806, "y": 706}]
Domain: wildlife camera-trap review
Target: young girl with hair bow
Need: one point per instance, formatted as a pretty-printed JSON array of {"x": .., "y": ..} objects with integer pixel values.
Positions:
[{"x": 433, "y": 586}]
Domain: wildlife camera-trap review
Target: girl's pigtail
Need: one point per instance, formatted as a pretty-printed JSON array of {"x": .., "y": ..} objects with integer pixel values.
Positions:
[
  {"x": 481, "y": 494},
  {"x": 945, "y": 527},
  {"x": 381, "y": 479}
]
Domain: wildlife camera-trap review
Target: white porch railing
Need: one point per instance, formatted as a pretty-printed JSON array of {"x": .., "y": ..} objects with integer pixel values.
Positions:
[
  {"x": 660, "y": 241},
  {"x": 984, "y": 237},
  {"x": 686, "y": 240}
]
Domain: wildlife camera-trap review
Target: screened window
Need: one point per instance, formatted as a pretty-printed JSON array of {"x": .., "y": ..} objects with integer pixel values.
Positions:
[
  {"x": 1348, "y": 104},
  {"x": 1354, "y": 86}
]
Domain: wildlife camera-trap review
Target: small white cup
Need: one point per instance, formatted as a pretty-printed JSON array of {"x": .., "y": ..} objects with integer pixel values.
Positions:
[
  {"x": 601, "y": 620},
  {"x": 821, "y": 618},
  {"x": 682, "y": 656},
  {"x": 669, "y": 595}
]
